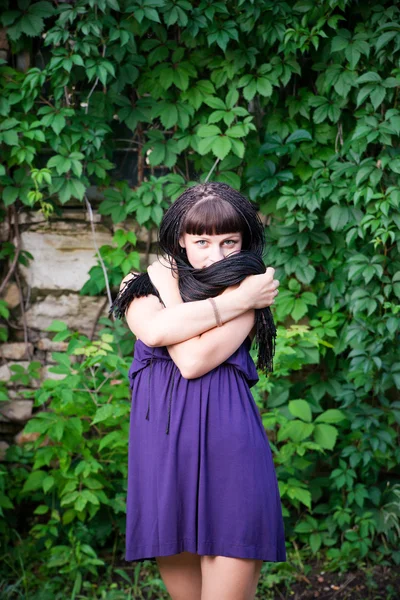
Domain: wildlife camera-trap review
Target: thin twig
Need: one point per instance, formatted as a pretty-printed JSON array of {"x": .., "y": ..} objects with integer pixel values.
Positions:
[
  {"x": 23, "y": 314},
  {"x": 66, "y": 96},
  {"x": 339, "y": 136},
  {"x": 17, "y": 251},
  {"x": 213, "y": 167},
  {"x": 103, "y": 266},
  {"x": 94, "y": 85},
  {"x": 128, "y": 141},
  {"x": 28, "y": 296},
  {"x": 102, "y": 307}
]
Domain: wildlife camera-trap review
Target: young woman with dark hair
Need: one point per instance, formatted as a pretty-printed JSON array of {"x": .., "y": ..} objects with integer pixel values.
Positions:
[{"x": 203, "y": 499}]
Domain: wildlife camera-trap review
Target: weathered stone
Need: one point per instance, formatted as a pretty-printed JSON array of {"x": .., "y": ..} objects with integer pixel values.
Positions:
[
  {"x": 17, "y": 410},
  {"x": 49, "y": 345},
  {"x": 52, "y": 361},
  {"x": 18, "y": 394},
  {"x": 16, "y": 350},
  {"x": 78, "y": 312},
  {"x": 6, "y": 373},
  {"x": 63, "y": 254},
  {"x": 45, "y": 373},
  {"x": 11, "y": 295},
  {"x": 31, "y": 217}
]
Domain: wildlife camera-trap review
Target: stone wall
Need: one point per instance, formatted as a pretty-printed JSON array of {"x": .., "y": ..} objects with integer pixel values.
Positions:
[{"x": 63, "y": 252}]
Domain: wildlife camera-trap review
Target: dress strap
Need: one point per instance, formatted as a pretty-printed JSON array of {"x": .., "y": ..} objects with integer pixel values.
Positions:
[
  {"x": 150, "y": 388},
  {"x": 175, "y": 369}
]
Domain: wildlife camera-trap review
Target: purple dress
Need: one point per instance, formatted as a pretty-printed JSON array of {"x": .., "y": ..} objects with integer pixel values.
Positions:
[{"x": 201, "y": 476}]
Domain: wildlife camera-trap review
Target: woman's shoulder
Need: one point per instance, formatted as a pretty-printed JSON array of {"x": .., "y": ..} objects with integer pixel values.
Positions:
[{"x": 128, "y": 278}]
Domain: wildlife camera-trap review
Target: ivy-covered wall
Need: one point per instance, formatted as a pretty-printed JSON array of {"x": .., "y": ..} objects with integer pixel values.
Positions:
[{"x": 297, "y": 105}]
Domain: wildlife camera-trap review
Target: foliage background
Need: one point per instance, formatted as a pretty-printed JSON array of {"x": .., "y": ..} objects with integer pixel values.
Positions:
[{"x": 296, "y": 105}]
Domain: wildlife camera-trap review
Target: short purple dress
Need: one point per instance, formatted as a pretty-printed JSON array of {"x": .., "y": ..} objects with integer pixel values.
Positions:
[{"x": 201, "y": 476}]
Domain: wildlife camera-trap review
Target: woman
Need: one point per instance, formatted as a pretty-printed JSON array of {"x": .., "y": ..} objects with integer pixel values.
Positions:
[{"x": 202, "y": 501}]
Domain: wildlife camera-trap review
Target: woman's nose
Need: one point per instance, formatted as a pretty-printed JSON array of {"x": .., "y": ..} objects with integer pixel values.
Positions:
[{"x": 216, "y": 253}]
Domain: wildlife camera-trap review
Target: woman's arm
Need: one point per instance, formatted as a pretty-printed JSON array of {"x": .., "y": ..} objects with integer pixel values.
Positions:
[
  {"x": 201, "y": 354},
  {"x": 180, "y": 321}
]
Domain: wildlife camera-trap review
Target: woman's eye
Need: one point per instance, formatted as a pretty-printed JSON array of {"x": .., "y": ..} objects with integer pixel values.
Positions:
[{"x": 230, "y": 242}]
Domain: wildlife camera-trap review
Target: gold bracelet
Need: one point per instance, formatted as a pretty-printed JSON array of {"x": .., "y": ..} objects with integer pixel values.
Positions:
[{"x": 216, "y": 312}]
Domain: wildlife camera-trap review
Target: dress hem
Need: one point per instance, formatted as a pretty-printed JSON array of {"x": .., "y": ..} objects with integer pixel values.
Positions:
[{"x": 149, "y": 552}]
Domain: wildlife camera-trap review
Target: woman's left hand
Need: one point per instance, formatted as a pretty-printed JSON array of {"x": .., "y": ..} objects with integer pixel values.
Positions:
[{"x": 162, "y": 275}]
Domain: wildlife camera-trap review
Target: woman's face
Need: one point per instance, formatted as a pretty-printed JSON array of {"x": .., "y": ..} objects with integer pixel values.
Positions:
[{"x": 204, "y": 250}]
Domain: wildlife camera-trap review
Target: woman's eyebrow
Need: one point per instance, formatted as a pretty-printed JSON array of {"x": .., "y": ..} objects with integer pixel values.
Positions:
[{"x": 228, "y": 237}]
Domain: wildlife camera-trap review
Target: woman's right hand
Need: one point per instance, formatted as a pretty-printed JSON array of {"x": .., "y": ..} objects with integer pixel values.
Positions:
[{"x": 260, "y": 290}]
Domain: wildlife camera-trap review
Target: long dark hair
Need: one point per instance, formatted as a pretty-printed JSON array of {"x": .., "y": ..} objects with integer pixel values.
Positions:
[{"x": 210, "y": 208}]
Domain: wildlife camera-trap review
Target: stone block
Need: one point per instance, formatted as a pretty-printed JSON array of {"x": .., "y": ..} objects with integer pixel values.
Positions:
[
  {"x": 78, "y": 312},
  {"x": 17, "y": 410},
  {"x": 16, "y": 350},
  {"x": 6, "y": 374},
  {"x": 11, "y": 295},
  {"x": 63, "y": 254},
  {"x": 50, "y": 346}
]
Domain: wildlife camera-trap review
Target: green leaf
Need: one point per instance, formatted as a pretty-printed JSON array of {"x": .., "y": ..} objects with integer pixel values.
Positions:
[
  {"x": 113, "y": 4},
  {"x": 300, "y": 409},
  {"x": 384, "y": 39},
  {"x": 57, "y": 326},
  {"x": 300, "y": 494},
  {"x": 238, "y": 147},
  {"x": 34, "y": 481},
  {"x": 8, "y": 123},
  {"x": 47, "y": 484},
  {"x": 232, "y": 98},
  {"x": 394, "y": 165},
  {"x": 237, "y": 131},
  {"x": 370, "y": 77},
  {"x": 264, "y": 87},
  {"x": 332, "y": 415},
  {"x": 10, "y": 194},
  {"x": 300, "y": 135},
  {"x": 58, "y": 124},
  {"x": 250, "y": 90},
  {"x": 339, "y": 43},
  {"x": 103, "y": 413},
  {"x": 338, "y": 217},
  {"x": 10, "y": 138},
  {"x": 221, "y": 147},
  {"x": 377, "y": 96},
  {"x": 295, "y": 430},
  {"x": 215, "y": 103},
  {"x": 41, "y": 510},
  {"x": 208, "y": 130},
  {"x": 325, "y": 436},
  {"x": 77, "y": 189}
]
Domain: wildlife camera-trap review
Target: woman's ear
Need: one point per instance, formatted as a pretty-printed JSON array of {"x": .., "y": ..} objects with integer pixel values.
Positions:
[{"x": 181, "y": 242}]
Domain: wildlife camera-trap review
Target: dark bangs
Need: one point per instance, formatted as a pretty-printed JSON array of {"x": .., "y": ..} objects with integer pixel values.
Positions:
[{"x": 213, "y": 216}]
